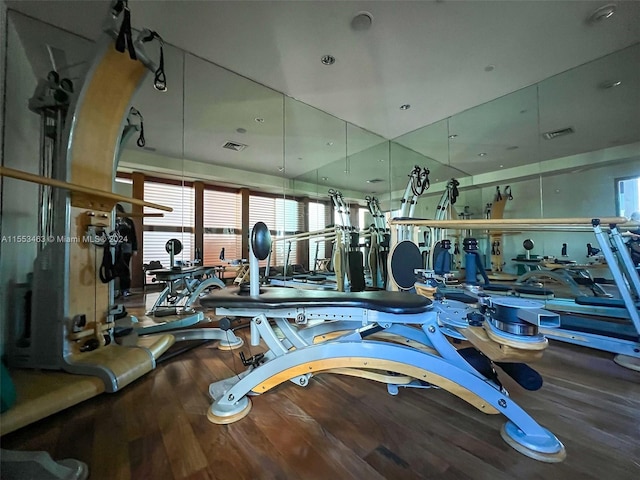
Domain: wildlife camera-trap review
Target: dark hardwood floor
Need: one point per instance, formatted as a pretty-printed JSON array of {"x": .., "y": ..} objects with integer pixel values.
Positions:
[{"x": 345, "y": 428}]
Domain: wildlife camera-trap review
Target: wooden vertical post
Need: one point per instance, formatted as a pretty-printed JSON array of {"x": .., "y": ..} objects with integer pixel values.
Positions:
[
  {"x": 137, "y": 276},
  {"x": 198, "y": 189}
]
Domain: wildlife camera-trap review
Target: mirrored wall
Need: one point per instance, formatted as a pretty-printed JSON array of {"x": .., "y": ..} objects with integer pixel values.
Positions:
[{"x": 556, "y": 146}]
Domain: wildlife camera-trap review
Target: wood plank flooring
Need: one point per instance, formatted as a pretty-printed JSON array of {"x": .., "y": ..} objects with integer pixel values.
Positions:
[{"x": 345, "y": 428}]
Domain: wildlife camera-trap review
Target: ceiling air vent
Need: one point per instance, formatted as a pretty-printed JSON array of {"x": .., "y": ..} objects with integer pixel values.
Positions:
[
  {"x": 238, "y": 147},
  {"x": 558, "y": 133}
]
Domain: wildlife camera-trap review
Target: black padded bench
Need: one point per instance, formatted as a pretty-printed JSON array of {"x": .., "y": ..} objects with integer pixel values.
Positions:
[{"x": 277, "y": 298}]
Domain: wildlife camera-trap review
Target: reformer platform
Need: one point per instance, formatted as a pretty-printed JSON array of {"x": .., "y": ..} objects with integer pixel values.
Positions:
[
  {"x": 183, "y": 287},
  {"x": 333, "y": 332},
  {"x": 294, "y": 356}
]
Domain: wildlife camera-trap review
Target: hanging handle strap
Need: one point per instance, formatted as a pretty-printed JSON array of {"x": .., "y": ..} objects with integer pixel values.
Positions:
[{"x": 124, "y": 40}]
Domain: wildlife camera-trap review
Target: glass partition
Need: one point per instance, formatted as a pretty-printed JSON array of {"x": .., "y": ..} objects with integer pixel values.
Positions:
[
  {"x": 44, "y": 67},
  {"x": 315, "y": 161},
  {"x": 590, "y": 134}
]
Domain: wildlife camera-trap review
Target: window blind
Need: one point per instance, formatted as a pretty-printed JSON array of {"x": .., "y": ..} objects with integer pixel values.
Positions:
[
  {"x": 283, "y": 216},
  {"x": 180, "y": 198},
  {"x": 177, "y": 224},
  {"x": 222, "y": 226},
  {"x": 317, "y": 213}
]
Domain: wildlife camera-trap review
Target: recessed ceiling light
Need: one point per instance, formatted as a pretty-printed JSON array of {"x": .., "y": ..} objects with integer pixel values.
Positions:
[
  {"x": 281, "y": 169},
  {"x": 329, "y": 144},
  {"x": 610, "y": 84},
  {"x": 602, "y": 13},
  {"x": 381, "y": 160},
  {"x": 328, "y": 59},
  {"x": 501, "y": 166},
  {"x": 325, "y": 178},
  {"x": 346, "y": 171},
  {"x": 437, "y": 179},
  {"x": 406, "y": 106},
  {"x": 362, "y": 21},
  {"x": 489, "y": 68},
  {"x": 259, "y": 120},
  {"x": 453, "y": 135},
  {"x": 482, "y": 154},
  {"x": 241, "y": 130}
]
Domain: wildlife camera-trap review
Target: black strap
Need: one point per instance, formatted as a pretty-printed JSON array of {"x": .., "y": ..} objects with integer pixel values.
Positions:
[
  {"x": 453, "y": 196},
  {"x": 498, "y": 194},
  {"x": 419, "y": 180},
  {"x": 141, "y": 142},
  {"x": 107, "y": 269},
  {"x": 160, "y": 79},
  {"x": 507, "y": 192},
  {"x": 124, "y": 40}
]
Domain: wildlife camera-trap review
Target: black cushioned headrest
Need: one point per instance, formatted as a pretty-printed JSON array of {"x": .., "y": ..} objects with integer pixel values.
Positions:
[
  {"x": 405, "y": 258},
  {"x": 261, "y": 240},
  {"x": 275, "y": 298}
]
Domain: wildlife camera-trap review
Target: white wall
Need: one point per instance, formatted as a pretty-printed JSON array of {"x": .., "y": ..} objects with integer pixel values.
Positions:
[{"x": 19, "y": 198}]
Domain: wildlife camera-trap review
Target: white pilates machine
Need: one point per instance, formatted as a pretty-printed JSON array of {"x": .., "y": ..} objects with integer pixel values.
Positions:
[
  {"x": 611, "y": 325},
  {"x": 392, "y": 337}
]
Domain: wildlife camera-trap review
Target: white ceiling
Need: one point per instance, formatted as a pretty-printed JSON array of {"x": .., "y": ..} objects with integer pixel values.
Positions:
[{"x": 430, "y": 54}]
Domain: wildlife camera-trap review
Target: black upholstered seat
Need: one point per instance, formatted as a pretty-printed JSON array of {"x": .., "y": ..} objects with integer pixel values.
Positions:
[{"x": 275, "y": 298}]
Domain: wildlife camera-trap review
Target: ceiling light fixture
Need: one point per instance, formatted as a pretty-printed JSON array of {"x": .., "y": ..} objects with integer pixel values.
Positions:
[
  {"x": 362, "y": 21},
  {"x": 328, "y": 59},
  {"x": 482, "y": 154},
  {"x": 241, "y": 130},
  {"x": 453, "y": 135},
  {"x": 501, "y": 166},
  {"x": 259, "y": 120},
  {"x": 325, "y": 178},
  {"x": 601, "y": 13},
  {"x": 610, "y": 84},
  {"x": 281, "y": 169},
  {"x": 406, "y": 106},
  {"x": 329, "y": 144},
  {"x": 381, "y": 160}
]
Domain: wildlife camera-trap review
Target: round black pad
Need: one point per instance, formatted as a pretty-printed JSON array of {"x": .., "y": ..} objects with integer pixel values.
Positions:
[
  {"x": 260, "y": 240},
  {"x": 405, "y": 258},
  {"x": 528, "y": 244},
  {"x": 175, "y": 244}
]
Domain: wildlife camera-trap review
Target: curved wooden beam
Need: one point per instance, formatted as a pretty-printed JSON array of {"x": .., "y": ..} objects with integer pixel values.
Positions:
[
  {"x": 372, "y": 363},
  {"x": 30, "y": 177}
]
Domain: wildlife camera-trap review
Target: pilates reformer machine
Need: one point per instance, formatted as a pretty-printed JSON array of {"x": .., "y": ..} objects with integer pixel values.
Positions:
[
  {"x": 416, "y": 186},
  {"x": 392, "y": 337},
  {"x": 577, "y": 277},
  {"x": 312, "y": 279},
  {"x": 184, "y": 285},
  {"x": 603, "y": 323},
  {"x": 379, "y": 244},
  {"x": 348, "y": 260}
]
